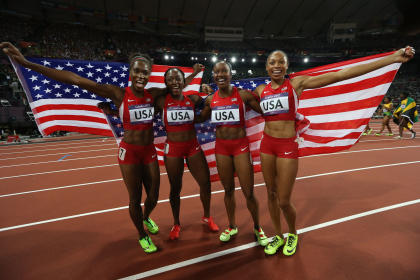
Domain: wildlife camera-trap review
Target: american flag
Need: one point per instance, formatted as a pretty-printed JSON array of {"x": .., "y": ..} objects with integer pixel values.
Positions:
[
  {"x": 58, "y": 106},
  {"x": 330, "y": 118}
]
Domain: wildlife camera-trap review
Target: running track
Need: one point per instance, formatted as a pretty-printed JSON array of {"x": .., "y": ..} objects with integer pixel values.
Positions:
[{"x": 63, "y": 215}]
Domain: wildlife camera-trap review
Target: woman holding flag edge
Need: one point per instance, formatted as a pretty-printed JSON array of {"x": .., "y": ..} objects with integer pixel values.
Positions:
[
  {"x": 137, "y": 155},
  {"x": 279, "y": 147}
]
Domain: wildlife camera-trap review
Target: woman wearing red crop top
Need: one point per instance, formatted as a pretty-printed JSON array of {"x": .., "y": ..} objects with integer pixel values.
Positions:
[
  {"x": 279, "y": 149},
  {"x": 136, "y": 156},
  {"x": 178, "y": 116},
  {"x": 227, "y": 110}
]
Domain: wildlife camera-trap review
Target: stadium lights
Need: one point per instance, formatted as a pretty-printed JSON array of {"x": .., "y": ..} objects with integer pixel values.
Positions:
[
  {"x": 205, "y": 58},
  {"x": 192, "y": 58},
  {"x": 233, "y": 59},
  {"x": 306, "y": 60},
  {"x": 172, "y": 57},
  {"x": 214, "y": 59},
  {"x": 250, "y": 72},
  {"x": 166, "y": 57},
  {"x": 254, "y": 60},
  {"x": 243, "y": 59}
]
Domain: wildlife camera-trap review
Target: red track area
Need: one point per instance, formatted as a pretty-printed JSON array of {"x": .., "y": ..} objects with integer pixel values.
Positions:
[{"x": 103, "y": 245}]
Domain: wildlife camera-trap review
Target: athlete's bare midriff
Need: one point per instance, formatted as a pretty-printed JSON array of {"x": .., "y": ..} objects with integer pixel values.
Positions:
[
  {"x": 139, "y": 137},
  {"x": 280, "y": 129}
]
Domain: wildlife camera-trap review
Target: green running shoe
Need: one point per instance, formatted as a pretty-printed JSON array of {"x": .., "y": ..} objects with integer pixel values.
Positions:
[
  {"x": 147, "y": 244},
  {"x": 261, "y": 237},
  {"x": 151, "y": 226},
  {"x": 228, "y": 233},
  {"x": 291, "y": 244},
  {"x": 390, "y": 134},
  {"x": 378, "y": 134},
  {"x": 274, "y": 245}
]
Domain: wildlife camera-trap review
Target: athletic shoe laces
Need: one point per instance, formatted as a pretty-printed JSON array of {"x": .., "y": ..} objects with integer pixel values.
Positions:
[{"x": 290, "y": 240}]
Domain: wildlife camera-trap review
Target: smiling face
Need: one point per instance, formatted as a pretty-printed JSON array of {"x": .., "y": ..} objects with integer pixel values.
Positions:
[
  {"x": 222, "y": 74},
  {"x": 277, "y": 64},
  {"x": 175, "y": 81},
  {"x": 139, "y": 74}
]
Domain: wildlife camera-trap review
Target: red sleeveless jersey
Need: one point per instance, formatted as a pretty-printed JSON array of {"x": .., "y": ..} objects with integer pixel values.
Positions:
[
  {"x": 228, "y": 111},
  {"x": 137, "y": 113},
  {"x": 279, "y": 104},
  {"x": 178, "y": 115}
]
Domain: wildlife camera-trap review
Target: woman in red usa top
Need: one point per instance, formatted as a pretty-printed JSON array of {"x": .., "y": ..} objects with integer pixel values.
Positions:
[
  {"x": 279, "y": 149},
  {"x": 178, "y": 117},
  {"x": 227, "y": 110},
  {"x": 137, "y": 156}
]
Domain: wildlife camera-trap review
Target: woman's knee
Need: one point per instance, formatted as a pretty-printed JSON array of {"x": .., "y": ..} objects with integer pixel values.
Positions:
[{"x": 284, "y": 203}]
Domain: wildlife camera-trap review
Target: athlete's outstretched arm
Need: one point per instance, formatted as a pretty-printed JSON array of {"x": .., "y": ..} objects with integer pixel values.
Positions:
[
  {"x": 107, "y": 91},
  {"x": 301, "y": 83}
]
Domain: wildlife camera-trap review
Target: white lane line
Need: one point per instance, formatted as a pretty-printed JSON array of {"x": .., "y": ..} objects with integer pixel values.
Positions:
[
  {"x": 321, "y": 155},
  {"x": 254, "y": 244},
  {"x": 63, "y": 153},
  {"x": 55, "y": 161},
  {"x": 56, "y": 171},
  {"x": 74, "y": 147},
  {"x": 196, "y": 195},
  {"x": 39, "y": 144},
  {"x": 70, "y": 186},
  {"x": 359, "y": 151}
]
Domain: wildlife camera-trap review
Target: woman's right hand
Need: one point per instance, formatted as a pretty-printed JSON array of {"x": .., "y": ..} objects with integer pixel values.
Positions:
[{"x": 13, "y": 52}]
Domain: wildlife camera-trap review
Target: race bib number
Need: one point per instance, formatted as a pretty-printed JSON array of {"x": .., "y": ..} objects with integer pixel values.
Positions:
[
  {"x": 222, "y": 115},
  {"x": 275, "y": 104},
  {"x": 121, "y": 153},
  {"x": 141, "y": 113},
  {"x": 179, "y": 115}
]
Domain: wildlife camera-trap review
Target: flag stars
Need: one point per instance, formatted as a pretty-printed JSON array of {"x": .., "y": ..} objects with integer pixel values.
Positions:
[
  {"x": 74, "y": 86},
  {"x": 107, "y": 74},
  {"x": 38, "y": 96},
  {"x": 84, "y": 91},
  {"x": 36, "y": 87},
  {"x": 89, "y": 65},
  {"x": 98, "y": 70},
  {"x": 33, "y": 78},
  {"x": 107, "y": 67},
  {"x": 80, "y": 69},
  {"x": 45, "y": 62},
  {"x": 116, "y": 71},
  {"x": 59, "y": 67},
  {"x": 67, "y": 90},
  {"x": 45, "y": 81},
  {"x": 57, "y": 86},
  {"x": 124, "y": 68},
  {"x": 108, "y": 100},
  {"x": 76, "y": 94},
  {"x": 58, "y": 95},
  {"x": 123, "y": 75},
  {"x": 89, "y": 74},
  {"x": 98, "y": 80},
  {"x": 115, "y": 79},
  {"x": 93, "y": 95},
  {"x": 122, "y": 84},
  {"x": 47, "y": 90},
  {"x": 69, "y": 64}
]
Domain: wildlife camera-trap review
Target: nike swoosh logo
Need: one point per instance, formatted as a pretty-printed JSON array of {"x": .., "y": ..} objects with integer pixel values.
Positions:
[
  {"x": 291, "y": 251},
  {"x": 244, "y": 149},
  {"x": 287, "y": 153},
  {"x": 130, "y": 100},
  {"x": 169, "y": 104}
]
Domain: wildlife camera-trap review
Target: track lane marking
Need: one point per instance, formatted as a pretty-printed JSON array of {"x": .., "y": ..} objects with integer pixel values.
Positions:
[
  {"x": 255, "y": 244},
  {"x": 196, "y": 195}
]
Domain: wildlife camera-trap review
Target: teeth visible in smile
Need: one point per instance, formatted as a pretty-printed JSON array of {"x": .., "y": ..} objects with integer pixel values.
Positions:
[{"x": 277, "y": 72}]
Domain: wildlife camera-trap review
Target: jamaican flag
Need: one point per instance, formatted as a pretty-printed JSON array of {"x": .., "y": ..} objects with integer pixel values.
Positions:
[{"x": 407, "y": 109}]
